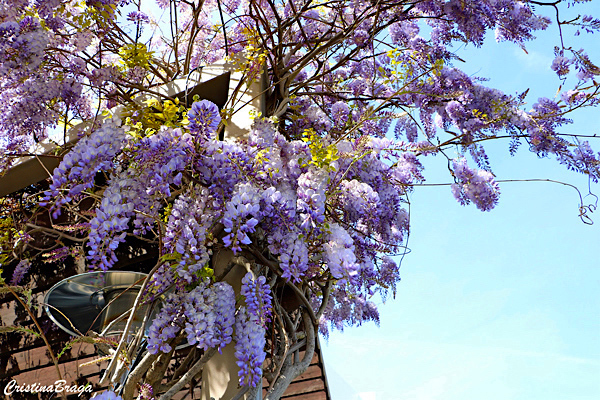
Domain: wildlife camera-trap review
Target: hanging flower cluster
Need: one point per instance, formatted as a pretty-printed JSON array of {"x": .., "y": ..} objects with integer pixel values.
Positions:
[
  {"x": 79, "y": 167},
  {"x": 257, "y": 295},
  {"x": 477, "y": 186},
  {"x": 370, "y": 216},
  {"x": 249, "y": 348},
  {"x": 206, "y": 315}
]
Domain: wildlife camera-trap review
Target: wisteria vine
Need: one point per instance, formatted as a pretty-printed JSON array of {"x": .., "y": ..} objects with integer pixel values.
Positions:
[{"x": 264, "y": 238}]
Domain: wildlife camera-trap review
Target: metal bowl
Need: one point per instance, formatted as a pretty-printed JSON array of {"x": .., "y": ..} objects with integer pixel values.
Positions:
[{"x": 95, "y": 301}]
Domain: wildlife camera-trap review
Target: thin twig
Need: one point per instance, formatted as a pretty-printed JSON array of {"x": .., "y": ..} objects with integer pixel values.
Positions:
[
  {"x": 188, "y": 376},
  {"x": 42, "y": 335},
  {"x": 113, "y": 363}
]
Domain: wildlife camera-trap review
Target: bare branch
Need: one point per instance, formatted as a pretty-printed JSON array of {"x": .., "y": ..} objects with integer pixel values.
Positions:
[
  {"x": 188, "y": 376},
  {"x": 291, "y": 371}
]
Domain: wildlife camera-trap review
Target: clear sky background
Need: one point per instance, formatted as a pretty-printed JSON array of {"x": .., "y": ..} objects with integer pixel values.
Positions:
[{"x": 501, "y": 305}]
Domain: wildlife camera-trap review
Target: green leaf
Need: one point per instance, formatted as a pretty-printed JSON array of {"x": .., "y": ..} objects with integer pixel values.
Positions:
[
  {"x": 175, "y": 256},
  {"x": 7, "y": 329},
  {"x": 28, "y": 296}
]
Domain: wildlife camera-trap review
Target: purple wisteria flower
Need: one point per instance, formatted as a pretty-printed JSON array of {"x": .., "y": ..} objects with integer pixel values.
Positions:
[
  {"x": 9, "y": 31},
  {"x": 547, "y": 116},
  {"x": 204, "y": 118},
  {"x": 135, "y": 194},
  {"x": 340, "y": 112},
  {"x": 583, "y": 159},
  {"x": 190, "y": 218},
  {"x": 347, "y": 306},
  {"x": 167, "y": 324},
  {"x": 403, "y": 32},
  {"x": 20, "y": 271},
  {"x": 262, "y": 134},
  {"x": 257, "y": 294},
  {"x": 224, "y": 307},
  {"x": 573, "y": 96},
  {"x": 138, "y": 16},
  {"x": 358, "y": 199},
  {"x": 107, "y": 395},
  {"x": 200, "y": 318},
  {"x": 406, "y": 126},
  {"x": 146, "y": 392},
  {"x": 206, "y": 314},
  {"x": 209, "y": 313},
  {"x": 107, "y": 228},
  {"x": 249, "y": 347},
  {"x": 294, "y": 257},
  {"x": 560, "y": 65},
  {"x": 388, "y": 274},
  {"x": 22, "y": 48},
  {"x": 311, "y": 198},
  {"x": 240, "y": 217},
  {"x": 339, "y": 254},
  {"x": 477, "y": 186},
  {"x": 78, "y": 168}
]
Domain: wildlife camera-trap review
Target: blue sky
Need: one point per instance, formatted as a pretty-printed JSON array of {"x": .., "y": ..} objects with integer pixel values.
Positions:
[{"x": 501, "y": 305}]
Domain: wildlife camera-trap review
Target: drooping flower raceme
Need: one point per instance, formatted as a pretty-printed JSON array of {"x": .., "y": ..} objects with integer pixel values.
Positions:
[
  {"x": 389, "y": 274},
  {"x": 339, "y": 253},
  {"x": 240, "y": 216},
  {"x": 224, "y": 307},
  {"x": 477, "y": 186},
  {"x": 209, "y": 312},
  {"x": 78, "y": 168},
  {"x": 206, "y": 314},
  {"x": 249, "y": 347},
  {"x": 347, "y": 306},
  {"x": 167, "y": 324},
  {"x": 311, "y": 198},
  {"x": 257, "y": 294},
  {"x": 358, "y": 199},
  {"x": 136, "y": 193},
  {"x": 204, "y": 118},
  {"x": 146, "y": 392},
  {"x": 20, "y": 271},
  {"x": 33, "y": 95},
  {"x": 200, "y": 318},
  {"x": 21, "y": 48},
  {"x": 293, "y": 253},
  {"x": 190, "y": 218}
]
